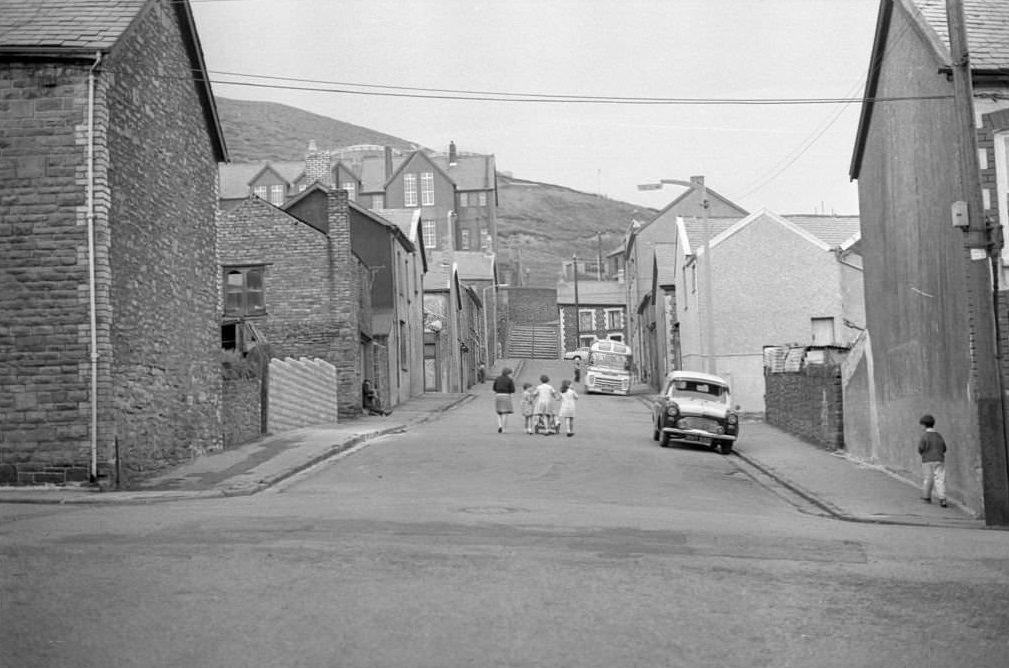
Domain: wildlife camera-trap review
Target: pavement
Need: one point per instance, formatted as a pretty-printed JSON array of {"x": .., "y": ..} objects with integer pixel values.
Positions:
[{"x": 830, "y": 483}]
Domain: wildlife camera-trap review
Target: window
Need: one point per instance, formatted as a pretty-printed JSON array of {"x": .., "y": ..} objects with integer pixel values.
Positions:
[
  {"x": 277, "y": 195},
  {"x": 484, "y": 238},
  {"x": 465, "y": 239},
  {"x": 823, "y": 331},
  {"x": 409, "y": 190},
  {"x": 585, "y": 321},
  {"x": 350, "y": 187},
  {"x": 483, "y": 199},
  {"x": 262, "y": 192},
  {"x": 427, "y": 189},
  {"x": 430, "y": 234},
  {"x": 243, "y": 291},
  {"x": 614, "y": 318},
  {"x": 463, "y": 199},
  {"x": 378, "y": 201}
]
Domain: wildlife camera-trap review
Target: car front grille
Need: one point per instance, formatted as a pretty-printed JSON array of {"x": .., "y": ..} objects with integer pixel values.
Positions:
[{"x": 702, "y": 423}]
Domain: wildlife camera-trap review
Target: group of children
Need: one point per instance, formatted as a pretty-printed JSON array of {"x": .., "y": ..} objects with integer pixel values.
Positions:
[{"x": 543, "y": 407}]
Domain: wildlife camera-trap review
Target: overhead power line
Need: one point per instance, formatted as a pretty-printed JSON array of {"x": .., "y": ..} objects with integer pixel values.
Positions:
[{"x": 384, "y": 90}]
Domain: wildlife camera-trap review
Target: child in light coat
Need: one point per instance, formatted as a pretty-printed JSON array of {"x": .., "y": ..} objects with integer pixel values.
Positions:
[
  {"x": 528, "y": 399},
  {"x": 567, "y": 411}
]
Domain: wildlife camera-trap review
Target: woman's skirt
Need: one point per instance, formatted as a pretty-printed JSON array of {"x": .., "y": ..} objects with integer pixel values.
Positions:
[{"x": 503, "y": 403}]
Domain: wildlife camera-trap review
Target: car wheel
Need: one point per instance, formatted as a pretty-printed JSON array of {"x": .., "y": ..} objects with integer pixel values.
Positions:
[
  {"x": 725, "y": 447},
  {"x": 663, "y": 440},
  {"x": 655, "y": 431}
]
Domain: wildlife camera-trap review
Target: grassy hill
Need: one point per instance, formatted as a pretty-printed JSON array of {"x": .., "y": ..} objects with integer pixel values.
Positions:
[{"x": 539, "y": 223}]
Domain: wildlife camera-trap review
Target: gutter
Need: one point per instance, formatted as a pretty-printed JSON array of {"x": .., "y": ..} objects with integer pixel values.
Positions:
[{"x": 93, "y": 324}]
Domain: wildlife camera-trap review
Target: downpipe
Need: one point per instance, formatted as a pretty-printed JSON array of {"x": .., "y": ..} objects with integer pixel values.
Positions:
[{"x": 93, "y": 324}]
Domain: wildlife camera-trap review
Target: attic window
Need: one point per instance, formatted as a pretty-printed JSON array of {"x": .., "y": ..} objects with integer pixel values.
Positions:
[
  {"x": 350, "y": 187},
  {"x": 277, "y": 195}
]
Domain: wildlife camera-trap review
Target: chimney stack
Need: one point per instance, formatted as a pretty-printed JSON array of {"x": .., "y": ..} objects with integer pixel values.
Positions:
[
  {"x": 317, "y": 165},
  {"x": 453, "y": 158}
]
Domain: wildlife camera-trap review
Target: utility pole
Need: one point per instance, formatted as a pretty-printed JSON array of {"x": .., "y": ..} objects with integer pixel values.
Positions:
[
  {"x": 981, "y": 255},
  {"x": 578, "y": 308},
  {"x": 709, "y": 307}
]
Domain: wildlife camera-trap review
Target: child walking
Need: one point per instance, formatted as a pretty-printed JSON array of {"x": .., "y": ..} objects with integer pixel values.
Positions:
[
  {"x": 567, "y": 411},
  {"x": 528, "y": 398},
  {"x": 932, "y": 448},
  {"x": 543, "y": 406}
]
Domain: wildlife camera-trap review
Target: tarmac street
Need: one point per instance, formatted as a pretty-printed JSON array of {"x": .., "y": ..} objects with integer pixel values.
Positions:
[{"x": 436, "y": 541}]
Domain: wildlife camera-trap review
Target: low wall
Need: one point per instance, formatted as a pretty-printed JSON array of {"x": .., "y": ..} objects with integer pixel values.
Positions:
[
  {"x": 302, "y": 393},
  {"x": 807, "y": 403}
]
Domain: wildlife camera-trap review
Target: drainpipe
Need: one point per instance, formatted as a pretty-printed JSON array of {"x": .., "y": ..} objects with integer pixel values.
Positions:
[{"x": 91, "y": 267}]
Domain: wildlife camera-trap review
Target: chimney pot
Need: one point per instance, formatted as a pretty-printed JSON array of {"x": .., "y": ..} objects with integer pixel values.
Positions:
[{"x": 453, "y": 157}]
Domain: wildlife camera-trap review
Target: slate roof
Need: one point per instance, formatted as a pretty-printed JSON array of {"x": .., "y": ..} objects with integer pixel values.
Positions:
[
  {"x": 439, "y": 271},
  {"x": 665, "y": 261},
  {"x": 86, "y": 25},
  {"x": 831, "y": 230},
  {"x": 474, "y": 265},
  {"x": 234, "y": 177},
  {"x": 694, "y": 227},
  {"x": 600, "y": 293},
  {"x": 987, "y": 24}
]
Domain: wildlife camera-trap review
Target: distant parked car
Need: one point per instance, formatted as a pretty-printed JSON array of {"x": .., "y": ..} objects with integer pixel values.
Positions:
[
  {"x": 695, "y": 408},
  {"x": 577, "y": 354}
]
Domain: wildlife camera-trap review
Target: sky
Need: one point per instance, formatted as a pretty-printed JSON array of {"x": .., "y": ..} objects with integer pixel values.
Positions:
[{"x": 727, "y": 54}]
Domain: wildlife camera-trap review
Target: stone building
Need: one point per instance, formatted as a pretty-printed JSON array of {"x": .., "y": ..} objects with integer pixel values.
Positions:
[{"x": 109, "y": 339}]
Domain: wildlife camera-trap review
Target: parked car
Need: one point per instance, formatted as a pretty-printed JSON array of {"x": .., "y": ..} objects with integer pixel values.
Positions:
[
  {"x": 695, "y": 408},
  {"x": 577, "y": 354}
]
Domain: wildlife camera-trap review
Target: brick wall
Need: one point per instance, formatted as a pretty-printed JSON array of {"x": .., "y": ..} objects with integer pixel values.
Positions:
[
  {"x": 162, "y": 196},
  {"x": 314, "y": 287},
  {"x": 530, "y": 306},
  {"x": 807, "y": 404}
]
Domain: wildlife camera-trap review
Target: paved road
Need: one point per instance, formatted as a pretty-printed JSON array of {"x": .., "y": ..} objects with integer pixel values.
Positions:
[{"x": 452, "y": 545}]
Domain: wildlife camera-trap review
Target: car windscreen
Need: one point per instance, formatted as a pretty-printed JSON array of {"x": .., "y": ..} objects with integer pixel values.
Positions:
[
  {"x": 610, "y": 361},
  {"x": 696, "y": 389}
]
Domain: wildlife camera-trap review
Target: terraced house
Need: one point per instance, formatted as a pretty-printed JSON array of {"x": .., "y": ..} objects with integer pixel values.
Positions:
[{"x": 109, "y": 144}]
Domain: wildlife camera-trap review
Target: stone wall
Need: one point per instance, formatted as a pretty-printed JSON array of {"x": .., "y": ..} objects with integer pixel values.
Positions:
[
  {"x": 241, "y": 410},
  {"x": 44, "y": 339},
  {"x": 162, "y": 198},
  {"x": 807, "y": 403}
]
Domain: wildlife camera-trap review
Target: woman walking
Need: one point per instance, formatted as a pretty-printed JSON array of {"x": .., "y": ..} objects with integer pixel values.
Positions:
[
  {"x": 504, "y": 388},
  {"x": 567, "y": 411}
]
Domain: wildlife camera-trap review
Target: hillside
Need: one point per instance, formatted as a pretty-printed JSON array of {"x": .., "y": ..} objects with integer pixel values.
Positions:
[{"x": 540, "y": 223}]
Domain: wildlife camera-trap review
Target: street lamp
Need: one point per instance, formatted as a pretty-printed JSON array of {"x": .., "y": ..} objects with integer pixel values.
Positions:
[
  {"x": 486, "y": 329},
  {"x": 697, "y": 182}
]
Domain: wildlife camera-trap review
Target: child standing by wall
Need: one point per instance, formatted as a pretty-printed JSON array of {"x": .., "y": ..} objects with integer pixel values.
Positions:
[
  {"x": 567, "y": 411},
  {"x": 932, "y": 448}
]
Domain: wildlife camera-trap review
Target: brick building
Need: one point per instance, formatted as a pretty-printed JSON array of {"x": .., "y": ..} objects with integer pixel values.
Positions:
[
  {"x": 294, "y": 276},
  {"x": 109, "y": 341}
]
